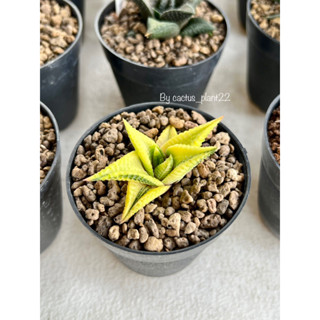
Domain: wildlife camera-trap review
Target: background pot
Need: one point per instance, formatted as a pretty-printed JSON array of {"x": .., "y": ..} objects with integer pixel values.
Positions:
[
  {"x": 81, "y": 6},
  {"x": 269, "y": 180},
  {"x": 139, "y": 83},
  {"x": 242, "y": 12},
  {"x": 162, "y": 263},
  {"x": 263, "y": 74},
  {"x": 59, "y": 78},
  {"x": 50, "y": 193}
]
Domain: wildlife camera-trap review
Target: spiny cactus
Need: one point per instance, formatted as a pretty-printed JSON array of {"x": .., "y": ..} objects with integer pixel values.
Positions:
[
  {"x": 154, "y": 166},
  {"x": 169, "y": 18}
]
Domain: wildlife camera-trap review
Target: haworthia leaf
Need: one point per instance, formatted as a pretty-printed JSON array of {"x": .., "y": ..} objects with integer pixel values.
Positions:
[
  {"x": 193, "y": 3},
  {"x": 168, "y": 133},
  {"x": 161, "y": 29},
  {"x": 192, "y": 137},
  {"x": 184, "y": 167},
  {"x": 143, "y": 145},
  {"x": 158, "y": 157},
  {"x": 145, "y": 8},
  {"x": 150, "y": 195},
  {"x": 180, "y": 3},
  {"x": 163, "y": 169},
  {"x": 133, "y": 176},
  {"x": 273, "y": 16},
  {"x": 178, "y": 15},
  {"x": 182, "y": 152},
  {"x": 156, "y": 13},
  {"x": 127, "y": 168},
  {"x": 172, "y": 4},
  {"x": 133, "y": 193},
  {"x": 197, "y": 26},
  {"x": 162, "y": 4}
]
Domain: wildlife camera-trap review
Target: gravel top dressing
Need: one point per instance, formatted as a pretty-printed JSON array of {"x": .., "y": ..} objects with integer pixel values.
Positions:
[
  {"x": 267, "y": 14},
  {"x": 191, "y": 211},
  {"x": 126, "y": 35},
  {"x": 57, "y": 30},
  {"x": 48, "y": 145},
  {"x": 274, "y": 133}
]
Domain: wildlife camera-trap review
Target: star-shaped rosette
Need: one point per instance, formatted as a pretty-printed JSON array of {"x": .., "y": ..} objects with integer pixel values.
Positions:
[{"x": 155, "y": 165}]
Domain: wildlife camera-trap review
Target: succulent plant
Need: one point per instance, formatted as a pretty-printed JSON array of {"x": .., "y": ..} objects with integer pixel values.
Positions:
[
  {"x": 169, "y": 18},
  {"x": 155, "y": 165}
]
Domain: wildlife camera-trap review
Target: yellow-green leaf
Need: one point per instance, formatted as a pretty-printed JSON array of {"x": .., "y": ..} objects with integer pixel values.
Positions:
[
  {"x": 192, "y": 137},
  {"x": 143, "y": 145},
  {"x": 150, "y": 195},
  {"x": 168, "y": 133},
  {"x": 134, "y": 192},
  {"x": 183, "y": 152},
  {"x": 158, "y": 157},
  {"x": 184, "y": 167},
  {"x": 163, "y": 169},
  {"x": 127, "y": 168}
]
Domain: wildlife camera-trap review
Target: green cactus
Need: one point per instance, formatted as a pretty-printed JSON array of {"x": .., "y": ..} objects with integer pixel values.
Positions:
[
  {"x": 169, "y": 18},
  {"x": 155, "y": 165}
]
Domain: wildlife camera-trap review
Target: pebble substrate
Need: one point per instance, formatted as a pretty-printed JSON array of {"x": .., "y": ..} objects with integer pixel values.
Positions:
[
  {"x": 58, "y": 29},
  {"x": 125, "y": 35},
  {"x": 48, "y": 145},
  {"x": 274, "y": 133},
  {"x": 191, "y": 211},
  {"x": 266, "y": 12}
]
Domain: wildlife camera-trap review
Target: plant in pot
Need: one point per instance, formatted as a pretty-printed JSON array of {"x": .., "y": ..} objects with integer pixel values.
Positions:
[
  {"x": 167, "y": 50},
  {"x": 263, "y": 29},
  {"x": 50, "y": 178},
  {"x": 157, "y": 185},
  {"x": 60, "y": 33},
  {"x": 269, "y": 180}
]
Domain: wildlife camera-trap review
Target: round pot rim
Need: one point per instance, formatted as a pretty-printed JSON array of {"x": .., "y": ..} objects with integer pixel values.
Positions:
[
  {"x": 275, "y": 41},
  {"x": 58, "y": 148},
  {"x": 105, "y": 45},
  {"x": 274, "y": 104},
  {"x": 76, "y": 40},
  {"x": 147, "y": 105}
]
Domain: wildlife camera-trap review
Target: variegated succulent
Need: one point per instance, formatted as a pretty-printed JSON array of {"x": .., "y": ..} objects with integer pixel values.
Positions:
[
  {"x": 155, "y": 165},
  {"x": 169, "y": 18}
]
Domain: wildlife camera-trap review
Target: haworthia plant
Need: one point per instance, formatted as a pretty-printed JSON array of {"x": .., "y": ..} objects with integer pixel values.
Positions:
[
  {"x": 169, "y": 18},
  {"x": 155, "y": 165}
]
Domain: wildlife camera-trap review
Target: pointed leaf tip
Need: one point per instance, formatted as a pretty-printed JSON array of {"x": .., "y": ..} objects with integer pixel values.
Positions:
[
  {"x": 186, "y": 166},
  {"x": 146, "y": 198},
  {"x": 192, "y": 137},
  {"x": 127, "y": 168},
  {"x": 163, "y": 169},
  {"x": 182, "y": 152},
  {"x": 134, "y": 192},
  {"x": 168, "y": 133},
  {"x": 143, "y": 145}
]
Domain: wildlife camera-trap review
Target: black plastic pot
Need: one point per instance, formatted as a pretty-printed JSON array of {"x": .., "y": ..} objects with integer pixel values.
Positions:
[
  {"x": 139, "y": 83},
  {"x": 269, "y": 180},
  {"x": 162, "y": 263},
  {"x": 59, "y": 78},
  {"x": 242, "y": 12},
  {"x": 50, "y": 193},
  {"x": 263, "y": 75},
  {"x": 81, "y": 5}
]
